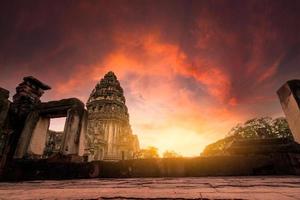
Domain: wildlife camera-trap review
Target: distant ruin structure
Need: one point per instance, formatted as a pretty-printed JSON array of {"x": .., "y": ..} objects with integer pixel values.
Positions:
[
  {"x": 53, "y": 142},
  {"x": 109, "y": 134},
  {"x": 289, "y": 96}
]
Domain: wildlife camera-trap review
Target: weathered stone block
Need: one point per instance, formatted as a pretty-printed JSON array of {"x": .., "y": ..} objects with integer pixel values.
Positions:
[
  {"x": 289, "y": 96},
  {"x": 38, "y": 139},
  {"x": 71, "y": 134},
  {"x": 24, "y": 140},
  {"x": 27, "y": 97},
  {"x": 4, "y": 116},
  {"x": 83, "y": 130},
  {"x": 53, "y": 109},
  {"x": 4, "y": 94},
  {"x": 4, "y": 106}
]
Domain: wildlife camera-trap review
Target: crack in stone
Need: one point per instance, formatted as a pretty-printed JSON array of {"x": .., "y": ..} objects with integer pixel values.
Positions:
[{"x": 256, "y": 185}]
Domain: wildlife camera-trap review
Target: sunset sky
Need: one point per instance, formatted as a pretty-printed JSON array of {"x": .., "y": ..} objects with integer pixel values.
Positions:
[{"x": 190, "y": 70}]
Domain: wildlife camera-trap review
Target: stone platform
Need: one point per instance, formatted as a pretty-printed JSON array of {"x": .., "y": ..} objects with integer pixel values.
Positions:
[{"x": 284, "y": 187}]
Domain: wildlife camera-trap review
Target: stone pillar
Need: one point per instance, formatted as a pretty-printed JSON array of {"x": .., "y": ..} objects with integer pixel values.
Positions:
[
  {"x": 24, "y": 115},
  {"x": 83, "y": 132},
  {"x": 4, "y": 107},
  {"x": 25, "y": 137},
  {"x": 70, "y": 143},
  {"x": 28, "y": 94},
  {"x": 289, "y": 96},
  {"x": 4, "y": 133},
  {"x": 38, "y": 138}
]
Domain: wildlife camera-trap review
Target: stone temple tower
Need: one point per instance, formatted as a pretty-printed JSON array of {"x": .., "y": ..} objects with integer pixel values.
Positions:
[{"x": 109, "y": 135}]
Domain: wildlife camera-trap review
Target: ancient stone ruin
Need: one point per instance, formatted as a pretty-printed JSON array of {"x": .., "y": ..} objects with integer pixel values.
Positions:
[
  {"x": 98, "y": 142},
  {"x": 25, "y": 122},
  {"x": 109, "y": 132},
  {"x": 53, "y": 142},
  {"x": 101, "y": 133},
  {"x": 289, "y": 96}
]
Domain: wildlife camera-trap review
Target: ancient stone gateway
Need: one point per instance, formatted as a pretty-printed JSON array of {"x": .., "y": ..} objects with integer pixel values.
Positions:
[
  {"x": 109, "y": 133},
  {"x": 29, "y": 121},
  {"x": 289, "y": 96},
  {"x": 24, "y": 124},
  {"x": 33, "y": 138}
]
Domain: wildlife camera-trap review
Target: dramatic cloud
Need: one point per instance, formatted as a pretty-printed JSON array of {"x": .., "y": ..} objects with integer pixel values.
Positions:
[{"x": 190, "y": 69}]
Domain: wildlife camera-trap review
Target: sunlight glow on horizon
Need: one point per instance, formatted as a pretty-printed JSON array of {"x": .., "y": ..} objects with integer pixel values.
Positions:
[{"x": 183, "y": 141}]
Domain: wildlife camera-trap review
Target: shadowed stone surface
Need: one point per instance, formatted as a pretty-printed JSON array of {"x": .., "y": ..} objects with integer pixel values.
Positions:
[
  {"x": 25, "y": 100},
  {"x": 4, "y": 106},
  {"x": 289, "y": 96},
  {"x": 284, "y": 188},
  {"x": 39, "y": 134}
]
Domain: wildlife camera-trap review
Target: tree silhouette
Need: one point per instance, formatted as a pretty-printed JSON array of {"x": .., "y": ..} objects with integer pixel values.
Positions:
[
  {"x": 257, "y": 128},
  {"x": 149, "y": 152},
  {"x": 264, "y": 127},
  {"x": 171, "y": 154}
]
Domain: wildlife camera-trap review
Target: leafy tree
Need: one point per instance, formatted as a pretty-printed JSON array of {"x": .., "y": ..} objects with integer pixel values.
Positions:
[
  {"x": 171, "y": 154},
  {"x": 264, "y": 127},
  {"x": 281, "y": 128},
  {"x": 257, "y": 128},
  {"x": 149, "y": 152}
]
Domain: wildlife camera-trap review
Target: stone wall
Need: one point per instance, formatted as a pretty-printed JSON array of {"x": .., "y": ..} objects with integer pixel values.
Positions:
[
  {"x": 238, "y": 165},
  {"x": 4, "y": 111}
]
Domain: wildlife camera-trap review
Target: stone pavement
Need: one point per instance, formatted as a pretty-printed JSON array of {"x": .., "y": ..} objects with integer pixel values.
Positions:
[{"x": 264, "y": 188}]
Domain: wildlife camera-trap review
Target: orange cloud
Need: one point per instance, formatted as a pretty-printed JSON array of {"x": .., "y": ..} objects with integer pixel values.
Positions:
[
  {"x": 189, "y": 73},
  {"x": 148, "y": 69},
  {"x": 216, "y": 82}
]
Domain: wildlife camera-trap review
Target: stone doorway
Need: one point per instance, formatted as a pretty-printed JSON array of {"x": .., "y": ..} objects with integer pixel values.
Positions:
[
  {"x": 34, "y": 134},
  {"x": 54, "y": 136}
]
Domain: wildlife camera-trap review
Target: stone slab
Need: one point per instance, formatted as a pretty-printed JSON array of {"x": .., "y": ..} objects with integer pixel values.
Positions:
[
  {"x": 70, "y": 143},
  {"x": 259, "y": 188},
  {"x": 38, "y": 139},
  {"x": 289, "y": 96},
  {"x": 26, "y": 134}
]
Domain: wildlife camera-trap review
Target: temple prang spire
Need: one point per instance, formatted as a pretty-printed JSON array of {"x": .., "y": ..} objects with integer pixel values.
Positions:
[{"x": 109, "y": 134}]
